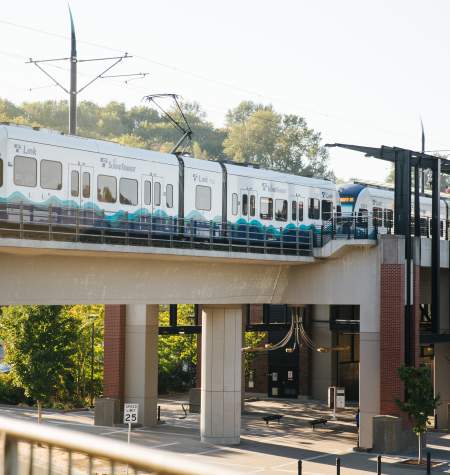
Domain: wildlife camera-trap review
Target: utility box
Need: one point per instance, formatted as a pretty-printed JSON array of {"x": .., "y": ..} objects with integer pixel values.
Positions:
[
  {"x": 107, "y": 412},
  {"x": 336, "y": 397}
]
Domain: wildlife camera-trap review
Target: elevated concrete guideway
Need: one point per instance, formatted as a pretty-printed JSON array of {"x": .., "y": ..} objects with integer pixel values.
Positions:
[{"x": 52, "y": 272}]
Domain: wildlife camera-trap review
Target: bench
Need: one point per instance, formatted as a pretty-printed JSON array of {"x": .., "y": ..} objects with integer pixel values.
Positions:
[
  {"x": 315, "y": 422},
  {"x": 272, "y": 417}
]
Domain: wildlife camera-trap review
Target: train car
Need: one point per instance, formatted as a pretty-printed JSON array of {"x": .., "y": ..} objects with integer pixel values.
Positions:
[
  {"x": 372, "y": 206},
  {"x": 112, "y": 186}
]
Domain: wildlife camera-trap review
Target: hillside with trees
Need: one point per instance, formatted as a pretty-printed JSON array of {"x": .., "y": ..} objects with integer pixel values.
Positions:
[{"x": 253, "y": 133}]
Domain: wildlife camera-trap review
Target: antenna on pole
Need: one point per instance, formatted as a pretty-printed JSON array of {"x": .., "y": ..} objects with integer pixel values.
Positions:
[
  {"x": 73, "y": 78},
  {"x": 183, "y": 126},
  {"x": 73, "y": 90}
]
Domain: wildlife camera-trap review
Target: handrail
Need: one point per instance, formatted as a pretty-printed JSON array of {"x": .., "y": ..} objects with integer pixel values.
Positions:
[{"x": 144, "y": 459}]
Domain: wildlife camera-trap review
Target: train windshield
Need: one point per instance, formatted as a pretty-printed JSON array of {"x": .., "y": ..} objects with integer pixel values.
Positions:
[{"x": 348, "y": 196}]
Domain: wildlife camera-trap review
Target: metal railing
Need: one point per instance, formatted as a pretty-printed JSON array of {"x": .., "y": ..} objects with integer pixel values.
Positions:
[
  {"x": 34, "y": 449},
  {"x": 53, "y": 223}
]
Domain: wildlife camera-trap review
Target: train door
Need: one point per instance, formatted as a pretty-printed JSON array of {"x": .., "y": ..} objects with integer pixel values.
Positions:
[
  {"x": 82, "y": 191},
  {"x": 147, "y": 193}
]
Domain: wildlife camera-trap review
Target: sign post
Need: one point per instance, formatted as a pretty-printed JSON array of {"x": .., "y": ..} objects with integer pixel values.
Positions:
[{"x": 130, "y": 416}]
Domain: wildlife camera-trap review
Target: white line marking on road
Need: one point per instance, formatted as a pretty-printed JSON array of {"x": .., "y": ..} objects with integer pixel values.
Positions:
[
  {"x": 122, "y": 431},
  {"x": 163, "y": 445}
]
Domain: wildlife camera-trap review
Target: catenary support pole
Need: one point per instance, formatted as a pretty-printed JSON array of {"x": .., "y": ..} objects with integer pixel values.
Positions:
[
  {"x": 73, "y": 80},
  {"x": 435, "y": 246}
]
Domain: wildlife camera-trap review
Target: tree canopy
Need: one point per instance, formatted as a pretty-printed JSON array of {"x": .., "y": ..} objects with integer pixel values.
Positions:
[{"x": 253, "y": 133}]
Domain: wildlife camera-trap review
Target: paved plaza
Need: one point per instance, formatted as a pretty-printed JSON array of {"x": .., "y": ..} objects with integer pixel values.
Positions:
[{"x": 273, "y": 448}]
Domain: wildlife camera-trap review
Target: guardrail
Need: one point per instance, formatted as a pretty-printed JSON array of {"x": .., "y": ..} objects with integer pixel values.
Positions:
[
  {"x": 24, "y": 221},
  {"x": 31, "y": 448}
]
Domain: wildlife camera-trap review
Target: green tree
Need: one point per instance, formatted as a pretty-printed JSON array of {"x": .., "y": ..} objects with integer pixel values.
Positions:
[
  {"x": 420, "y": 401},
  {"x": 177, "y": 354},
  {"x": 38, "y": 341},
  {"x": 257, "y": 134},
  {"x": 252, "y": 340}
]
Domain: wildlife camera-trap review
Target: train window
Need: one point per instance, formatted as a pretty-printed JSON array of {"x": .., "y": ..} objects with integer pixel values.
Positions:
[
  {"x": 388, "y": 218},
  {"x": 86, "y": 185},
  {"x": 314, "y": 208},
  {"x": 266, "y": 208},
  {"x": 74, "y": 183},
  {"x": 362, "y": 217},
  {"x": 169, "y": 196},
  {"x": 252, "y": 205},
  {"x": 294, "y": 211},
  {"x": 25, "y": 171},
  {"x": 245, "y": 205},
  {"x": 157, "y": 193},
  {"x": 106, "y": 189},
  {"x": 128, "y": 191},
  {"x": 281, "y": 210},
  {"x": 327, "y": 210},
  {"x": 234, "y": 204},
  {"x": 1, "y": 172},
  {"x": 51, "y": 175},
  {"x": 203, "y": 197},
  {"x": 300, "y": 210},
  {"x": 377, "y": 218},
  {"x": 147, "y": 192}
]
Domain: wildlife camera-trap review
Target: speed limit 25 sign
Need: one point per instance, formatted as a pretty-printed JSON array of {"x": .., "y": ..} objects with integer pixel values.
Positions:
[{"x": 130, "y": 413}]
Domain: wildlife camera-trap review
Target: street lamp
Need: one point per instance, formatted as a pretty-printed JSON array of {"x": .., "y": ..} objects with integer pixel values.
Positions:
[{"x": 92, "y": 360}]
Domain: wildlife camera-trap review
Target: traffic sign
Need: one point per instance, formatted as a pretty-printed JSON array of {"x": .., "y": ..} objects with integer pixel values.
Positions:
[{"x": 130, "y": 413}]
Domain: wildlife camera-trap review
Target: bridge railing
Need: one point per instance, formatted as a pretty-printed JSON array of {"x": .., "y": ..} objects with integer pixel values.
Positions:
[
  {"x": 31, "y": 448},
  {"x": 58, "y": 223}
]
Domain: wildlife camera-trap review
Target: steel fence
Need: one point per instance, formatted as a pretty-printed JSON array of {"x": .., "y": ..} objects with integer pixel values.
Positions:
[{"x": 34, "y": 449}]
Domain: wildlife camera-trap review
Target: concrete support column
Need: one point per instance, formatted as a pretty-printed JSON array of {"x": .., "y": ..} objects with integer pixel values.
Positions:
[
  {"x": 220, "y": 419},
  {"x": 369, "y": 372},
  {"x": 442, "y": 382},
  {"x": 141, "y": 360},
  {"x": 322, "y": 363}
]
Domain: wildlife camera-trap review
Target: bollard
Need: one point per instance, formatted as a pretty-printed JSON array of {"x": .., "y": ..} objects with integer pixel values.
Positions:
[
  {"x": 379, "y": 465},
  {"x": 338, "y": 466},
  {"x": 428, "y": 463},
  {"x": 299, "y": 467},
  {"x": 159, "y": 413}
]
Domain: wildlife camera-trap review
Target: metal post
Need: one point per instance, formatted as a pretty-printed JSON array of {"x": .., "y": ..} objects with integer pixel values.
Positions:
[
  {"x": 416, "y": 200},
  {"x": 299, "y": 471},
  {"x": 338, "y": 466},
  {"x": 73, "y": 80},
  {"x": 159, "y": 413},
  {"x": 435, "y": 246},
  {"x": 428, "y": 463},
  {"x": 379, "y": 465},
  {"x": 92, "y": 361},
  {"x": 173, "y": 317}
]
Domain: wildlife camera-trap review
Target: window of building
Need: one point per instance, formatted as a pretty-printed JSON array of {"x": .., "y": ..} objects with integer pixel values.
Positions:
[
  {"x": 252, "y": 205},
  {"x": 157, "y": 193},
  {"x": 169, "y": 196},
  {"x": 388, "y": 218},
  {"x": 244, "y": 205},
  {"x": 266, "y": 208},
  {"x": 74, "y": 183},
  {"x": 377, "y": 218},
  {"x": 234, "y": 204},
  {"x": 281, "y": 210},
  {"x": 314, "y": 208},
  {"x": 203, "y": 197},
  {"x": 106, "y": 189},
  {"x": 1, "y": 172},
  {"x": 147, "y": 192},
  {"x": 128, "y": 191},
  {"x": 51, "y": 175},
  {"x": 327, "y": 210},
  {"x": 294, "y": 211},
  {"x": 86, "y": 185},
  {"x": 25, "y": 171},
  {"x": 300, "y": 210}
]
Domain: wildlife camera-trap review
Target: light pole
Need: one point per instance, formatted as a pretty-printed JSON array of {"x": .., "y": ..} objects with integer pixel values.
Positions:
[{"x": 92, "y": 360}]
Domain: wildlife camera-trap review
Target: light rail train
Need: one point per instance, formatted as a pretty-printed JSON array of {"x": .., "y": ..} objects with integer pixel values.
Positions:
[{"x": 42, "y": 168}]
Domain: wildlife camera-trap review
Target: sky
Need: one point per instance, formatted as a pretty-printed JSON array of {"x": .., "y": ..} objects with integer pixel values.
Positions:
[{"x": 360, "y": 71}]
